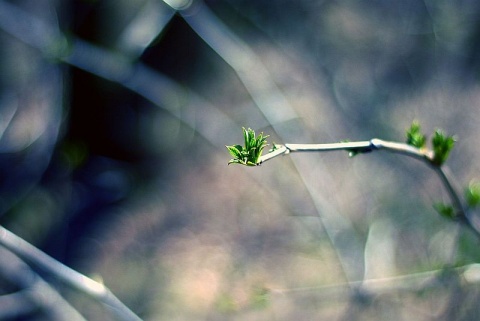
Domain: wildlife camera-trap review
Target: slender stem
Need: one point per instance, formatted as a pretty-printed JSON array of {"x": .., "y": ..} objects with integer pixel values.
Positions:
[
  {"x": 416, "y": 281},
  {"x": 463, "y": 213},
  {"x": 96, "y": 290},
  {"x": 360, "y": 147},
  {"x": 448, "y": 181},
  {"x": 357, "y": 147},
  {"x": 365, "y": 146}
]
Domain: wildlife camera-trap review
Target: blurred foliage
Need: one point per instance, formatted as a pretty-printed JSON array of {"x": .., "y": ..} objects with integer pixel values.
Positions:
[
  {"x": 472, "y": 194},
  {"x": 446, "y": 210}
]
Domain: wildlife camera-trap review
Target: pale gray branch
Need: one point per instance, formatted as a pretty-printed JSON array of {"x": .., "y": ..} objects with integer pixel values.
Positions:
[
  {"x": 420, "y": 281},
  {"x": 74, "y": 279},
  {"x": 357, "y": 147},
  {"x": 35, "y": 294},
  {"x": 374, "y": 144}
]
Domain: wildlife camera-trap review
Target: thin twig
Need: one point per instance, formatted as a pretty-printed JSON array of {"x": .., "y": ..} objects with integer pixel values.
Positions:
[
  {"x": 74, "y": 279},
  {"x": 419, "y": 281},
  {"x": 361, "y": 147},
  {"x": 357, "y": 147},
  {"x": 463, "y": 213}
]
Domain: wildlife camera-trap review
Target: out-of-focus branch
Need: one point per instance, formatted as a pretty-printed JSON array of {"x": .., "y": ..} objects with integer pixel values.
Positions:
[
  {"x": 74, "y": 279},
  {"x": 16, "y": 304},
  {"x": 410, "y": 282},
  {"x": 35, "y": 294},
  {"x": 464, "y": 214},
  {"x": 114, "y": 66}
]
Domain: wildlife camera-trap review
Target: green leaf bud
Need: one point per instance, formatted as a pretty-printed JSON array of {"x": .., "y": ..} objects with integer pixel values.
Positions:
[
  {"x": 442, "y": 146},
  {"x": 472, "y": 194},
  {"x": 249, "y": 154},
  {"x": 415, "y": 137},
  {"x": 445, "y": 210}
]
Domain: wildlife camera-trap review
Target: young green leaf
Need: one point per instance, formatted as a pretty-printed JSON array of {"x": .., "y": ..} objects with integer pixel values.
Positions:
[
  {"x": 235, "y": 161},
  {"x": 472, "y": 194},
  {"x": 250, "y": 153},
  {"x": 442, "y": 146},
  {"x": 235, "y": 151},
  {"x": 246, "y": 137},
  {"x": 415, "y": 137},
  {"x": 274, "y": 148},
  {"x": 445, "y": 210}
]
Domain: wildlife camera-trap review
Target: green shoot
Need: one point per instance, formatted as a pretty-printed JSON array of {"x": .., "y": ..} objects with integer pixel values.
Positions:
[
  {"x": 472, "y": 194},
  {"x": 442, "y": 145},
  {"x": 415, "y": 146},
  {"x": 415, "y": 137},
  {"x": 250, "y": 153},
  {"x": 445, "y": 210}
]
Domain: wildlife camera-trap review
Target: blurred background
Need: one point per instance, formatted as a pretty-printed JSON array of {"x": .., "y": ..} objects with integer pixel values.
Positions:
[{"x": 114, "y": 116}]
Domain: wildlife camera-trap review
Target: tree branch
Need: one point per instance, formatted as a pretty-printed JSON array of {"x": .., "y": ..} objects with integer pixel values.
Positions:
[
  {"x": 355, "y": 147},
  {"x": 419, "y": 281},
  {"x": 74, "y": 279},
  {"x": 423, "y": 154},
  {"x": 34, "y": 293}
]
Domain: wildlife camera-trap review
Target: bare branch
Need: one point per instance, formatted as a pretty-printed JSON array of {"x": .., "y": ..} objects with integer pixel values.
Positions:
[
  {"x": 35, "y": 294},
  {"x": 374, "y": 144},
  {"x": 357, "y": 147},
  {"x": 420, "y": 281}
]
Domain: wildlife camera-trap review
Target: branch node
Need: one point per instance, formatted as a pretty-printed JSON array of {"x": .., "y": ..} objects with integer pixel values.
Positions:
[{"x": 376, "y": 143}]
